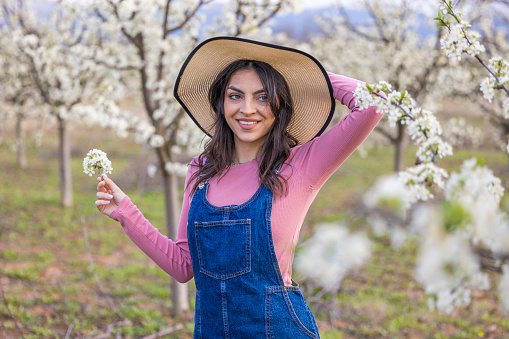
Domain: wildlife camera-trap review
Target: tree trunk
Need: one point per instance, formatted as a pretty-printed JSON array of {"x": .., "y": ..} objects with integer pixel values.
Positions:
[
  {"x": 506, "y": 181},
  {"x": 505, "y": 127},
  {"x": 179, "y": 291},
  {"x": 20, "y": 142},
  {"x": 399, "y": 148},
  {"x": 2, "y": 122},
  {"x": 66, "y": 198}
]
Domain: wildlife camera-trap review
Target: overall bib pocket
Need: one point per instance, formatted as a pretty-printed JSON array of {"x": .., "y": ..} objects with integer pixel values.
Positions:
[
  {"x": 287, "y": 312},
  {"x": 224, "y": 247}
]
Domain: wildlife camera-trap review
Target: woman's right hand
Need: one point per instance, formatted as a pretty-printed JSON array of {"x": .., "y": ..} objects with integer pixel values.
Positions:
[{"x": 109, "y": 195}]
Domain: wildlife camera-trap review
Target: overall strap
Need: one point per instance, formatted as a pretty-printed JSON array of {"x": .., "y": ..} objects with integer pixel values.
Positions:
[{"x": 202, "y": 184}]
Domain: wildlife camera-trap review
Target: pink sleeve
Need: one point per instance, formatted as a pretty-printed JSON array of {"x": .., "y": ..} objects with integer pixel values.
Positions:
[
  {"x": 316, "y": 160},
  {"x": 173, "y": 257}
]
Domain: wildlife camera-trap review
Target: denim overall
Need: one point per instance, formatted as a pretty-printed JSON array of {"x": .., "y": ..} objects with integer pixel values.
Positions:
[{"x": 240, "y": 292}]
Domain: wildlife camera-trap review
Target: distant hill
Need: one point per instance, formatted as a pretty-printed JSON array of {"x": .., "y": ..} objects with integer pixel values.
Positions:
[
  {"x": 297, "y": 25},
  {"x": 302, "y": 25}
]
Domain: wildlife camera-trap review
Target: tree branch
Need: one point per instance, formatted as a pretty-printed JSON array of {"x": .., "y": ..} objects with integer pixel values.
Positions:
[
  {"x": 481, "y": 61},
  {"x": 137, "y": 41},
  {"x": 379, "y": 22},
  {"x": 432, "y": 69},
  {"x": 92, "y": 268},
  {"x": 9, "y": 227},
  {"x": 407, "y": 115},
  {"x": 110, "y": 328},
  {"x": 165, "y": 332},
  {"x": 188, "y": 16},
  {"x": 385, "y": 133},
  {"x": 9, "y": 311},
  {"x": 175, "y": 127},
  {"x": 353, "y": 28},
  {"x": 238, "y": 13},
  {"x": 270, "y": 16}
]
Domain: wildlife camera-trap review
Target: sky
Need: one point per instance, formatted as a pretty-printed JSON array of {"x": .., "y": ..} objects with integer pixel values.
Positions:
[
  {"x": 316, "y": 3},
  {"x": 307, "y": 3}
]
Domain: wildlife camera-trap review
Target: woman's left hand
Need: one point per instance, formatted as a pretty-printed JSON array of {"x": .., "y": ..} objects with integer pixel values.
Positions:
[{"x": 109, "y": 195}]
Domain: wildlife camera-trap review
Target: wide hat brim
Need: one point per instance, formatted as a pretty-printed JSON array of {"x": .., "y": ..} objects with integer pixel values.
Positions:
[{"x": 309, "y": 84}]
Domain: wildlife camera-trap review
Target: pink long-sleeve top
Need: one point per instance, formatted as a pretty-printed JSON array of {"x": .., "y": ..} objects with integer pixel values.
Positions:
[{"x": 307, "y": 169}]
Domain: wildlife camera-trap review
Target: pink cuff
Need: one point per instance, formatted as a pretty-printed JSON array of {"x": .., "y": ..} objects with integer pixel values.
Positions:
[{"x": 115, "y": 215}]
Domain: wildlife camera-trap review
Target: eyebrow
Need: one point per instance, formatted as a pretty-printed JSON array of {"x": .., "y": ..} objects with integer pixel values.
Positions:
[{"x": 241, "y": 91}]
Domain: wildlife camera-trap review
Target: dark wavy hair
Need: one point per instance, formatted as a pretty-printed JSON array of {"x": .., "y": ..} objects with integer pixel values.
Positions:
[{"x": 217, "y": 157}]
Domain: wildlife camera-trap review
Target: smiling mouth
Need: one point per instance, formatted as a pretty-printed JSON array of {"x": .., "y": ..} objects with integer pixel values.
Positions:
[{"x": 247, "y": 122}]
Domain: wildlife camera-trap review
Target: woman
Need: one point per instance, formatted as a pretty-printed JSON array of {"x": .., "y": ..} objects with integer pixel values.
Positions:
[{"x": 246, "y": 196}]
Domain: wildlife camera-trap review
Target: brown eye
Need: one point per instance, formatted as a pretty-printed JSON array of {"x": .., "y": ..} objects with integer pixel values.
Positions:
[{"x": 263, "y": 98}]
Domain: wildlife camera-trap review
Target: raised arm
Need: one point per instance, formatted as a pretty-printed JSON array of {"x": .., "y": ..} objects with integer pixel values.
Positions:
[{"x": 316, "y": 160}]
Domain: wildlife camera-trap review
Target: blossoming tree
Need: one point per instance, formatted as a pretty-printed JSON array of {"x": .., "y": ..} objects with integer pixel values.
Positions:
[
  {"x": 17, "y": 93},
  {"x": 49, "y": 49},
  {"x": 405, "y": 57},
  {"x": 463, "y": 230},
  {"x": 494, "y": 100}
]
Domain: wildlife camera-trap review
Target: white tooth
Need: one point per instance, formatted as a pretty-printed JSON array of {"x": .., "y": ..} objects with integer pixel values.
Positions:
[{"x": 247, "y": 123}]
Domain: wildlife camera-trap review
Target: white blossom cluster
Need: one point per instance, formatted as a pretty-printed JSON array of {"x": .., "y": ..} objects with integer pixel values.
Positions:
[
  {"x": 388, "y": 192},
  {"x": 431, "y": 146},
  {"x": 401, "y": 62},
  {"x": 459, "y": 41},
  {"x": 443, "y": 8},
  {"x": 479, "y": 193},
  {"x": 15, "y": 77},
  {"x": 64, "y": 80},
  {"x": 488, "y": 88},
  {"x": 106, "y": 114},
  {"x": 478, "y": 181},
  {"x": 461, "y": 134},
  {"x": 388, "y": 201},
  {"x": 364, "y": 98},
  {"x": 446, "y": 266},
  {"x": 423, "y": 128},
  {"x": 47, "y": 54},
  {"x": 469, "y": 216},
  {"x": 418, "y": 178},
  {"x": 424, "y": 125},
  {"x": 151, "y": 170},
  {"x": 330, "y": 253},
  {"x": 403, "y": 55},
  {"x": 505, "y": 107},
  {"x": 500, "y": 68},
  {"x": 190, "y": 139},
  {"x": 96, "y": 159},
  {"x": 176, "y": 168}
]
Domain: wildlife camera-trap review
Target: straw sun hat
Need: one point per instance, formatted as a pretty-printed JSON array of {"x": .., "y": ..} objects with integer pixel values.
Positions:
[{"x": 309, "y": 84}]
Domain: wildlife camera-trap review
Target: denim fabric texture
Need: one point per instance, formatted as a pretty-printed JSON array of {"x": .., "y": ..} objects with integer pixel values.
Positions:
[{"x": 240, "y": 292}]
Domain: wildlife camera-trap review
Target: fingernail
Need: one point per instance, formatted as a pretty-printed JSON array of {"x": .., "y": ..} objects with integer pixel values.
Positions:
[
  {"x": 106, "y": 201},
  {"x": 110, "y": 196}
]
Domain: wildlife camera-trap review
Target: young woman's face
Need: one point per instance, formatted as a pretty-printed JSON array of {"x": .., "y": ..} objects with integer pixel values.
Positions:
[{"x": 246, "y": 109}]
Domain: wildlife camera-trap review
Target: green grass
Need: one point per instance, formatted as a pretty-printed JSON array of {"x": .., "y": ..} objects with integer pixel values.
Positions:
[{"x": 48, "y": 283}]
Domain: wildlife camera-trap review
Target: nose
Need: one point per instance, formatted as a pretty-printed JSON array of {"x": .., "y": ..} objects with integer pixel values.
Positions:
[{"x": 248, "y": 106}]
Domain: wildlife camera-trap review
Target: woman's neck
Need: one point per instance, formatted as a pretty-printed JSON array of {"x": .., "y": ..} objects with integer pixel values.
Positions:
[{"x": 244, "y": 154}]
